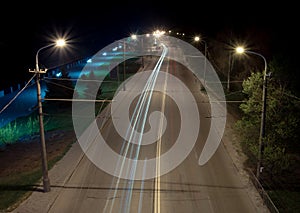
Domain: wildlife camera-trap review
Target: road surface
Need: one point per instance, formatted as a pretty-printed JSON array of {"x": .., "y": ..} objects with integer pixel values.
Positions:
[
  {"x": 213, "y": 187},
  {"x": 129, "y": 186}
]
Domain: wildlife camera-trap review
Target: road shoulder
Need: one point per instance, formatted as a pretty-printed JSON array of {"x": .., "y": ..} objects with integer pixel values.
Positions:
[
  {"x": 40, "y": 201},
  {"x": 232, "y": 145}
]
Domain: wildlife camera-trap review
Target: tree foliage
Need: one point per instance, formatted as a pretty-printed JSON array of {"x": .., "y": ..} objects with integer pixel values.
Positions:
[{"x": 282, "y": 122}]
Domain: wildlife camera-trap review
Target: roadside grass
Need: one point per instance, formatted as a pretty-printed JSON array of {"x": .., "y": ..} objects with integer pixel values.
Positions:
[
  {"x": 28, "y": 126},
  {"x": 286, "y": 201},
  {"x": 15, "y": 187},
  {"x": 18, "y": 185},
  {"x": 14, "y": 130}
]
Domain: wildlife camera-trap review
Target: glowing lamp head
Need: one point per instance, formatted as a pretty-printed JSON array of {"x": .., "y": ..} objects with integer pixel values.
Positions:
[
  {"x": 134, "y": 37},
  {"x": 240, "y": 50},
  {"x": 197, "y": 38},
  {"x": 60, "y": 42}
]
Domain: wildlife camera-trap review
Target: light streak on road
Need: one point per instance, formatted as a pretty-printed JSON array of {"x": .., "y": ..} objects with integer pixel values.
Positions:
[{"x": 138, "y": 120}]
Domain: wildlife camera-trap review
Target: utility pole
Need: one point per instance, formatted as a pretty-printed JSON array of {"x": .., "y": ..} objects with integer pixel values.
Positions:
[
  {"x": 229, "y": 70},
  {"x": 262, "y": 127},
  {"x": 124, "y": 65},
  {"x": 205, "y": 61},
  {"x": 38, "y": 72},
  {"x": 142, "y": 51},
  {"x": 46, "y": 181},
  {"x": 118, "y": 77},
  {"x": 197, "y": 39}
]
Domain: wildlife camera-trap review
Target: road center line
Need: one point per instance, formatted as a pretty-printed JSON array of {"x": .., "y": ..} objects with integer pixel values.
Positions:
[{"x": 158, "y": 152}]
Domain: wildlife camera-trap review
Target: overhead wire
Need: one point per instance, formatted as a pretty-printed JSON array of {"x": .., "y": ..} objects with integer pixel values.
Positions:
[{"x": 14, "y": 98}]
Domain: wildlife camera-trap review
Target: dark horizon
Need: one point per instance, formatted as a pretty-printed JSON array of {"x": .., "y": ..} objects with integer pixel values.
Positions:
[{"x": 90, "y": 28}]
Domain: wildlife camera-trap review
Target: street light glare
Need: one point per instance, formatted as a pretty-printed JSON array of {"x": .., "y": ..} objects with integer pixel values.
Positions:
[
  {"x": 158, "y": 33},
  {"x": 240, "y": 50},
  {"x": 60, "y": 42},
  {"x": 197, "y": 38},
  {"x": 134, "y": 37}
]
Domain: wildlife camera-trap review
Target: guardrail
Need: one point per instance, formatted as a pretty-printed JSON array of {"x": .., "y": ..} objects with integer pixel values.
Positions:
[{"x": 264, "y": 195}]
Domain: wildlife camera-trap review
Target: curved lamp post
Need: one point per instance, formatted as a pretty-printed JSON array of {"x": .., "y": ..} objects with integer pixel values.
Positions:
[
  {"x": 38, "y": 71},
  {"x": 241, "y": 50}
]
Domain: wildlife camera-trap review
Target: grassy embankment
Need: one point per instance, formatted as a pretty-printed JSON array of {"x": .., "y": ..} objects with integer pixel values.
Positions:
[{"x": 20, "y": 149}]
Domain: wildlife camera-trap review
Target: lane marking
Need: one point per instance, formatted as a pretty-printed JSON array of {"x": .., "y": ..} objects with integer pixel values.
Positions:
[{"x": 158, "y": 152}]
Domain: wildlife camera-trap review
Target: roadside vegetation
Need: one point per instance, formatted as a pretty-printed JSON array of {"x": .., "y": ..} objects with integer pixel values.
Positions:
[
  {"x": 280, "y": 155},
  {"x": 281, "y": 150},
  {"x": 20, "y": 154},
  {"x": 20, "y": 168}
]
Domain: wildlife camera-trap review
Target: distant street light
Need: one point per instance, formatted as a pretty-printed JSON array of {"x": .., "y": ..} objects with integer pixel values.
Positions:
[
  {"x": 38, "y": 71},
  {"x": 134, "y": 36},
  {"x": 198, "y": 39},
  {"x": 241, "y": 50}
]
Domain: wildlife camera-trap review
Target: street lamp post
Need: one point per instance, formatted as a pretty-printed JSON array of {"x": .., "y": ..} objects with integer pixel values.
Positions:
[
  {"x": 142, "y": 51},
  {"x": 197, "y": 39},
  {"x": 263, "y": 111},
  {"x": 124, "y": 65},
  {"x": 229, "y": 70},
  {"x": 38, "y": 71},
  {"x": 134, "y": 37}
]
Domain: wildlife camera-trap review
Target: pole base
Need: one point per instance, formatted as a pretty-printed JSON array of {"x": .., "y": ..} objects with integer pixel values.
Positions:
[{"x": 46, "y": 184}]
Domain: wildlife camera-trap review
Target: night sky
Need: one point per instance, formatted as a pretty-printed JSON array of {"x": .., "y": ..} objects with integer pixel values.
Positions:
[{"x": 91, "y": 26}]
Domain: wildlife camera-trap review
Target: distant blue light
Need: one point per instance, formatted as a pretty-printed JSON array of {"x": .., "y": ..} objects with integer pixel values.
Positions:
[
  {"x": 89, "y": 60},
  {"x": 104, "y": 53},
  {"x": 59, "y": 74},
  {"x": 115, "y": 49}
]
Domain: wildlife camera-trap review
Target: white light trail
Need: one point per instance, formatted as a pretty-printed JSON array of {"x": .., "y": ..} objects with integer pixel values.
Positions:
[{"x": 138, "y": 119}]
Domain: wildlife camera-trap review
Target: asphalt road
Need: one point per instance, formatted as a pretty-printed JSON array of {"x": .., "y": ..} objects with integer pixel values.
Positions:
[{"x": 189, "y": 187}]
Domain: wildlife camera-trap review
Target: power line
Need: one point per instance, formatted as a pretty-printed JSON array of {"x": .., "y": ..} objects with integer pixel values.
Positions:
[
  {"x": 76, "y": 79},
  {"x": 60, "y": 85},
  {"x": 80, "y": 100},
  {"x": 7, "y": 105}
]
